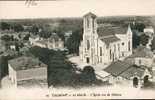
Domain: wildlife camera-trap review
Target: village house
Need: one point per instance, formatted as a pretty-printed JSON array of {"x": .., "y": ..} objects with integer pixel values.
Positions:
[
  {"x": 125, "y": 73},
  {"x": 142, "y": 56},
  {"x": 149, "y": 31},
  {"x": 12, "y": 47},
  {"x": 104, "y": 44},
  {"x": 34, "y": 38},
  {"x": 27, "y": 71},
  {"x": 67, "y": 35},
  {"x": 53, "y": 42}
]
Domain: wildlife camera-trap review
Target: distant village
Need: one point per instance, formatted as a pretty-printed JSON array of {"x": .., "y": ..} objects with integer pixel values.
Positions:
[{"x": 79, "y": 53}]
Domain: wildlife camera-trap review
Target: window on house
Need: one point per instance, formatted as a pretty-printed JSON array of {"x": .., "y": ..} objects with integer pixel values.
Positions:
[
  {"x": 87, "y": 22},
  {"x": 122, "y": 54},
  {"x": 140, "y": 62},
  {"x": 56, "y": 44}
]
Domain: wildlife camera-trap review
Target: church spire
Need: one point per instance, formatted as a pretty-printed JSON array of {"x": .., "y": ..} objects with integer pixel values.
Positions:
[{"x": 129, "y": 29}]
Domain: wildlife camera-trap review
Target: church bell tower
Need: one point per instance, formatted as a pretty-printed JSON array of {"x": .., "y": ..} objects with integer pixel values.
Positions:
[{"x": 90, "y": 30}]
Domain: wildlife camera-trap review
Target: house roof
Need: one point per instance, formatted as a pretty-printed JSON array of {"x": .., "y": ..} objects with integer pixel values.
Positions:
[
  {"x": 142, "y": 51},
  {"x": 34, "y": 36},
  {"x": 110, "y": 39},
  {"x": 25, "y": 63},
  {"x": 54, "y": 36},
  {"x": 125, "y": 70},
  {"x": 133, "y": 71},
  {"x": 43, "y": 42},
  {"x": 116, "y": 68}
]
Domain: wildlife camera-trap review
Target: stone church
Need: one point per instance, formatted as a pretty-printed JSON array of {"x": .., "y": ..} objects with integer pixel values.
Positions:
[{"x": 104, "y": 43}]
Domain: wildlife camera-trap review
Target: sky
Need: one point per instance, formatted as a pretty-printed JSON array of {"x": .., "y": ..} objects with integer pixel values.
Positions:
[{"x": 75, "y": 8}]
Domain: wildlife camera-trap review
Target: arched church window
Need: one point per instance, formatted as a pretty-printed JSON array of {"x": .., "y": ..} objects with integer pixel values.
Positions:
[
  {"x": 100, "y": 51},
  {"x": 93, "y": 22},
  {"x": 110, "y": 54},
  {"x": 129, "y": 48},
  {"x": 87, "y": 22},
  {"x": 88, "y": 44}
]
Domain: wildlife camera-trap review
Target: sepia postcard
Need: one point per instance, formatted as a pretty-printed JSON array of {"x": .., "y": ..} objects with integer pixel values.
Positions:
[{"x": 77, "y": 49}]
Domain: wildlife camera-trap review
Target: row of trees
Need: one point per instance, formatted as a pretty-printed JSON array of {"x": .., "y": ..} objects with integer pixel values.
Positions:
[
  {"x": 11, "y": 26},
  {"x": 73, "y": 42},
  {"x": 138, "y": 26},
  {"x": 142, "y": 39},
  {"x": 10, "y": 40},
  {"x": 61, "y": 72}
]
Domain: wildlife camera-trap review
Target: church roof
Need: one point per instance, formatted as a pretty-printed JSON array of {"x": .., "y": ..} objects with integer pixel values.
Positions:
[
  {"x": 110, "y": 39},
  {"x": 110, "y": 30}
]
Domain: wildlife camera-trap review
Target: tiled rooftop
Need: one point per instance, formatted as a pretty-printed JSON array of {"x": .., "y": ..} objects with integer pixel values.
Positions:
[
  {"x": 25, "y": 63},
  {"x": 111, "y": 30},
  {"x": 125, "y": 70}
]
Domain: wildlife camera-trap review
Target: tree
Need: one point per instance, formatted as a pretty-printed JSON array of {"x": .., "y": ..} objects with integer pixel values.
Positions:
[
  {"x": 18, "y": 28},
  {"x": 60, "y": 70},
  {"x": 34, "y": 29},
  {"x": 88, "y": 75},
  {"x": 139, "y": 26},
  {"x": 6, "y": 38},
  {"x": 135, "y": 39},
  {"x": 153, "y": 44},
  {"x": 3, "y": 65},
  {"x": 26, "y": 37},
  {"x": 17, "y": 47},
  {"x": 73, "y": 42},
  {"x": 5, "y": 26},
  {"x": 144, "y": 39}
]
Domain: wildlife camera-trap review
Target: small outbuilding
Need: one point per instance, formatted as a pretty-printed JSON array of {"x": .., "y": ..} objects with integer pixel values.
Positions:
[
  {"x": 23, "y": 70},
  {"x": 122, "y": 72}
]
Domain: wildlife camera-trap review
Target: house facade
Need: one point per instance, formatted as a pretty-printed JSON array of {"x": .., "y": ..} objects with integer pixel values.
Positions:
[
  {"x": 142, "y": 56},
  {"x": 53, "y": 42},
  {"x": 104, "y": 44},
  {"x": 149, "y": 31}
]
